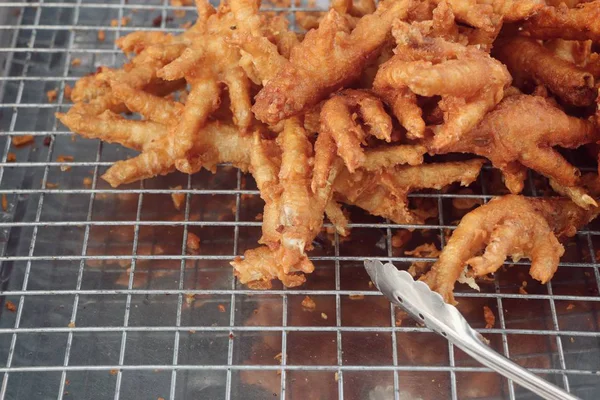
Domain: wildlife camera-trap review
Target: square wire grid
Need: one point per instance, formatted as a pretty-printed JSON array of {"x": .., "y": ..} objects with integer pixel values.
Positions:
[{"x": 109, "y": 304}]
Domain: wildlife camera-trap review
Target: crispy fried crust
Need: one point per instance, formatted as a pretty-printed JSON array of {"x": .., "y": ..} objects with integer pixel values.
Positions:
[
  {"x": 526, "y": 59},
  {"x": 510, "y": 226}
]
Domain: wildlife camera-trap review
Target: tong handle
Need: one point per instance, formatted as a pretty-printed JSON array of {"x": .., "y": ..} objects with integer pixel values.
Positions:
[{"x": 490, "y": 358}]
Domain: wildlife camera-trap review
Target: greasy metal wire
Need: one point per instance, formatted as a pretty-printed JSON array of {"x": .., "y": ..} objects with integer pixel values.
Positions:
[{"x": 37, "y": 36}]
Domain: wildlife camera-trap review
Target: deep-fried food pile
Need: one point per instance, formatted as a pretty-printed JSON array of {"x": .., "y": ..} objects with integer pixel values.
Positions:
[{"x": 362, "y": 110}]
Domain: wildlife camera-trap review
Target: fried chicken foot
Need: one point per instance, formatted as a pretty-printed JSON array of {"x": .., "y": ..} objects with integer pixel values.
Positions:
[
  {"x": 579, "y": 23},
  {"x": 340, "y": 117},
  {"x": 385, "y": 193},
  {"x": 510, "y": 140},
  {"x": 469, "y": 81},
  {"x": 509, "y": 226},
  {"x": 526, "y": 59},
  {"x": 328, "y": 58}
]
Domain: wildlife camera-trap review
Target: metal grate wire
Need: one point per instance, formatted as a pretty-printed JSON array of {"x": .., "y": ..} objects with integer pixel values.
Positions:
[{"x": 110, "y": 305}]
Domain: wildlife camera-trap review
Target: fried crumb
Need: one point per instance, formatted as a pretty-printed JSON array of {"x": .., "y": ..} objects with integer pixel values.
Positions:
[
  {"x": 67, "y": 92},
  {"x": 51, "y": 185},
  {"x": 522, "y": 288},
  {"x": 76, "y": 62},
  {"x": 67, "y": 382},
  {"x": 489, "y": 317},
  {"x": 10, "y": 306},
  {"x": 428, "y": 250},
  {"x": 47, "y": 141},
  {"x": 87, "y": 181},
  {"x": 125, "y": 21},
  {"x": 336, "y": 376},
  {"x": 308, "y": 304},
  {"x": 180, "y": 3},
  {"x": 356, "y": 296},
  {"x": 221, "y": 308},
  {"x": 114, "y": 22},
  {"x": 401, "y": 237},
  {"x": 63, "y": 158},
  {"x": 278, "y": 357},
  {"x": 11, "y": 157},
  {"x": 101, "y": 35},
  {"x": 371, "y": 284},
  {"x": 193, "y": 243},
  {"x": 258, "y": 217},
  {"x": 572, "y": 339},
  {"x": 570, "y": 306},
  {"x": 113, "y": 371},
  {"x": 52, "y": 95},
  {"x": 22, "y": 140},
  {"x": 192, "y": 331},
  {"x": 71, "y": 324},
  {"x": 255, "y": 311},
  {"x": 186, "y": 25},
  {"x": 323, "y": 315},
  {"x": 189, "y": 298},
  {"x": 4, "y": 202},
  {"x": 178, "y": 198},
  {"x": 231, "y": 336},
  {"x": 161, "y": 398}
]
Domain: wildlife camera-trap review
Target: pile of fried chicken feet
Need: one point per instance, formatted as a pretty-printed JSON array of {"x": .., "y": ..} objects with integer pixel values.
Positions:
[{"x": 357, "y": 111}]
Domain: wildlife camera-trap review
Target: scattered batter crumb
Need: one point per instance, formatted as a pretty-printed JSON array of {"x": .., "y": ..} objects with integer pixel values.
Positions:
[
  {"x": 221, "y": 308},
  {"x": 371, "y": 284},
  {"x": 308, "y": 304},
  {"x": 101, "y": 35},
  {"x": 572, "y": 339},
  {"x": 231, "y": 336},
  {"x": 125, "y": 21},
  {"x": 47, "y": 141},
  {"x": 323, "y": 315},
  {"x": 87, "y": 181},
  {"x": 114, "y": 22},
  {"x": 401, "y": 237},
  {"x": 10, "y": 306},
  {"x": 193, "y": 243},
  {"x": 76, "y": 62},
  {"x": 522, "y": 288},
  {"x": 192, "y": 331},
  {"x": 51, "y": 185},
  {"x": 258, "y": 217},
  {"x": 255, "y": 311},
  {"x": 67, "y": 382},
  {"x": 181, "y": 3},
  {"x": 62, "y": 158},
  {"x": 186, "y": 25},
  {"x": 52, "y": 95},
  {"x": 113, "y": 371},
  {"x": 22, "y": 140},
  {"x": 570, "y": 306},
  {"x": 11, "y": 157},
  {"x": 178, "y": 198},
  {"x": 4, "y": 202},
  {"x": 490, "y": 318},
  {"x": 356, "y": 296},
  {"x": 336, "y": 376},
  {"x": 67, "y": 92},
  {"x": 71, "y": 324},
  {"x": 278, "y": 357},
  {"x": 189, "y": 298},
  {"x": 161, "y": 398},
  {"x": 429, "y": 250}
]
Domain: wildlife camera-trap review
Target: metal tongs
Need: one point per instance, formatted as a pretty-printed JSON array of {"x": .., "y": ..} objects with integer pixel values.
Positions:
[{"x": 428, "y": 307}]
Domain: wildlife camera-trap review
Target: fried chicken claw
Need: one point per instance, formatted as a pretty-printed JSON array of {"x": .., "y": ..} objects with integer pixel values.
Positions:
[
  {"x": 579, "y": 23},
  {"x": 521, "y": 131},
  {"x": 469, "y": 81},
  {"x": 509, "y": 226},
  {"x": 328, "y": 58},
  {"x": 385, "y": 193},
  {"x": 527, "y": 59},
  {"x": 340, "y": 117}
]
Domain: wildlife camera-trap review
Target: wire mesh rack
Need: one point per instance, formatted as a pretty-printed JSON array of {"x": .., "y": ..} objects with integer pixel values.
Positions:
[{"x": 101, "y": 300}]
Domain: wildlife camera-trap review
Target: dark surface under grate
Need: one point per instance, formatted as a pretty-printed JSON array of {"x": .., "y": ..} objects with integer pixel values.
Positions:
[{"x": 109, "y": 305}]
